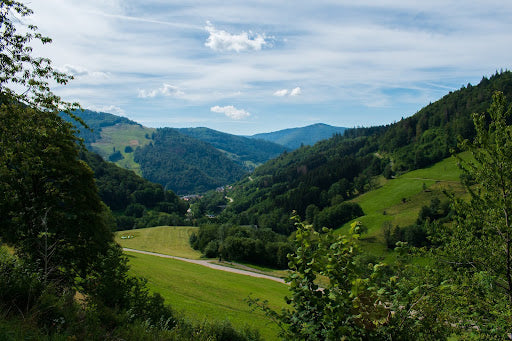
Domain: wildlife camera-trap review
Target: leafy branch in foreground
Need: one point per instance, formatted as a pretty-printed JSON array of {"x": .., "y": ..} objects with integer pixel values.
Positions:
[
  {"x": 23, "y": 77},
  {"x": 349, "y": 305}
]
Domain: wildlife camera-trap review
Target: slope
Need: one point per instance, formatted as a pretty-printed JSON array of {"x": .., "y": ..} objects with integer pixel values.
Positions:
[
  {"x": 247, "y": 151},
  {"x": 185, "y": 165},
  {"x": 295, "y": 137},
  {"x": 135, "y": 202},
  {"x": 317, "y": 181}
]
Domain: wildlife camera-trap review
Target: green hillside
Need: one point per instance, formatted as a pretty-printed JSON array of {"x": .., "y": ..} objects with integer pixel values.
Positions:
[
  {"x": 118, "y": 143},
  {"x": 185, "y": 165},
  {"x": 315, "y": 181},
  {"x": 135, "y": 201},
  {"x": 247, "y": 151},
  {"x": 398, "y": 201}
]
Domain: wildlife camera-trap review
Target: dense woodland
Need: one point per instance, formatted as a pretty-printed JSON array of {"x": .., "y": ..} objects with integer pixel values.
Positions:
[
  {"x": 135, "y": 202},
  {"x": 185, "y": 165}
]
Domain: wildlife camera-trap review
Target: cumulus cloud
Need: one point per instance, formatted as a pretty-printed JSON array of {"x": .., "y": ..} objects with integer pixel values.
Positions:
[
  {"x": 231, "y": 112},
  {"x": 220, "y": 40},
  {"x": 295, "y": 92},
  {"x": 281, "y": 93},
  {"x": 285, "y": 92},
  {"x": 164, "y": 90}
]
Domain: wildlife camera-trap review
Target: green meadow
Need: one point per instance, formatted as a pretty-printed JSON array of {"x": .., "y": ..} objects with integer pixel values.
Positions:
[
  {"x": 400, "y": 200},
  {"x": 169, "y": 240},
  {"x": 203, "y": 293},
  {"x": 119, "y": 137}
]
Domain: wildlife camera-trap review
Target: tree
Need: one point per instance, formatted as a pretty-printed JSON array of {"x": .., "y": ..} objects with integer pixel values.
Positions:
[
  {"x": 478, "y": 248},
  {"x": 51, "y": 211},
  {"x": 347, "y": 306},
  {"x": 19, "y": 69}
]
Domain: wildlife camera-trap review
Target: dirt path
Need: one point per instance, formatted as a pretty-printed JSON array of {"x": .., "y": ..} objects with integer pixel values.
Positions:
[{"x": 210, "y": 265}]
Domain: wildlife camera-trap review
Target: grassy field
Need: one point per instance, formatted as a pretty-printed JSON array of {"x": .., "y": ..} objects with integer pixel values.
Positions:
[
  {"x": 119, "y": 137},
  {"x": 399, "y": 200},
  {"x": 169, "y": 240},
  {"x": 203, "y": 293}
]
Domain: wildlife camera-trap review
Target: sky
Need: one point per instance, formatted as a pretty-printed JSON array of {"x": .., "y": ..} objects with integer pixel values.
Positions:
[{"x": 247, "y": 67}]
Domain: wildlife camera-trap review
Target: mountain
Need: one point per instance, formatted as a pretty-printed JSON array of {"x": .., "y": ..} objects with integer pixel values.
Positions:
[
  {"x": 318, "y": 181},
  {"x": 247, "y": 151},
  {"x": 293, "y": 138},
  {"x": 196, "y": 159},
  {"x": 184, "y": 164}
]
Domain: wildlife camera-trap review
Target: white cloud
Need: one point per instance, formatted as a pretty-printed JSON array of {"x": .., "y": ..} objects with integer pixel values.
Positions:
[
  {"x": 80, "y": 71},
  {"x": 112, "y": 109},
  {"x": 281, "y": 93},
  {"x": 285, "y": 92},
  {"x": 231, "y": 112},
  {"x": 164, "y": 90},
  {"x": 295, "y": 92},
  {"x": 220, "y": 40}
]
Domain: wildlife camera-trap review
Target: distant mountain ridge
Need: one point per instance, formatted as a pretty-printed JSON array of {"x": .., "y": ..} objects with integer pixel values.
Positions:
[{"x": 293, "y": 138}]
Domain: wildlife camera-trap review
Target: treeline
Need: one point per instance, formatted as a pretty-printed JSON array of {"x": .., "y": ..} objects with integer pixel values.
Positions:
[
  {"x": 243, "y": 243},
  {"x": 135, "y": 202},
  {"x": 185, "y": 165}
]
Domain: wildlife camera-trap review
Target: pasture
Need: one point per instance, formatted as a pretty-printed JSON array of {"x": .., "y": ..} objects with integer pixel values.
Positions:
[
  {"x": 202, "y": 293},
  {"x": 169, "y": 240}
]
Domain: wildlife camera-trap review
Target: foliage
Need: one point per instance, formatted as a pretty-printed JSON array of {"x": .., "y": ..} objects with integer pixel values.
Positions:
[
  {"x": 50, "y": 208},
  {"x": 20, "y": 69},
  {"x": 476, "y": 250},
  {"x": 348, "y": 307},
  {"x": 136, "y": 202},
  {"x": 242, "y": 243},
  {"x": 185, "y": 165}
]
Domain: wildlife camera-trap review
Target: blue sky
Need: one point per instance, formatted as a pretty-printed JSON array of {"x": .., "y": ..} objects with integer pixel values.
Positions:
[{"x": 247, "y": 67}]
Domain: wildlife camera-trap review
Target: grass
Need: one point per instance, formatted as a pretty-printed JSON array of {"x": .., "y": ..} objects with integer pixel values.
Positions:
[
  {"x": 399, "y": 200},
  {"x": 119, "y": 137},
  {"x": 169, "y": 240},
  {"x": 203, "y": 293}
]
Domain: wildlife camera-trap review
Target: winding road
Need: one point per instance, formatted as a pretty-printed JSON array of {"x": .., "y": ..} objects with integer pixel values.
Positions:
[{"x": 209, "y": 264}]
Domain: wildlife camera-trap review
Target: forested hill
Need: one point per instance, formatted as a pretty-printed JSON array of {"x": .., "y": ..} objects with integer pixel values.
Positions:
[
  {"x": 136, "y": 202},
  {"x": 184, "y": 164},
  {"x": 293, "y": 138},
  {"x": 317, "y": 181},
  {"x": 243, "y": 149}
]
